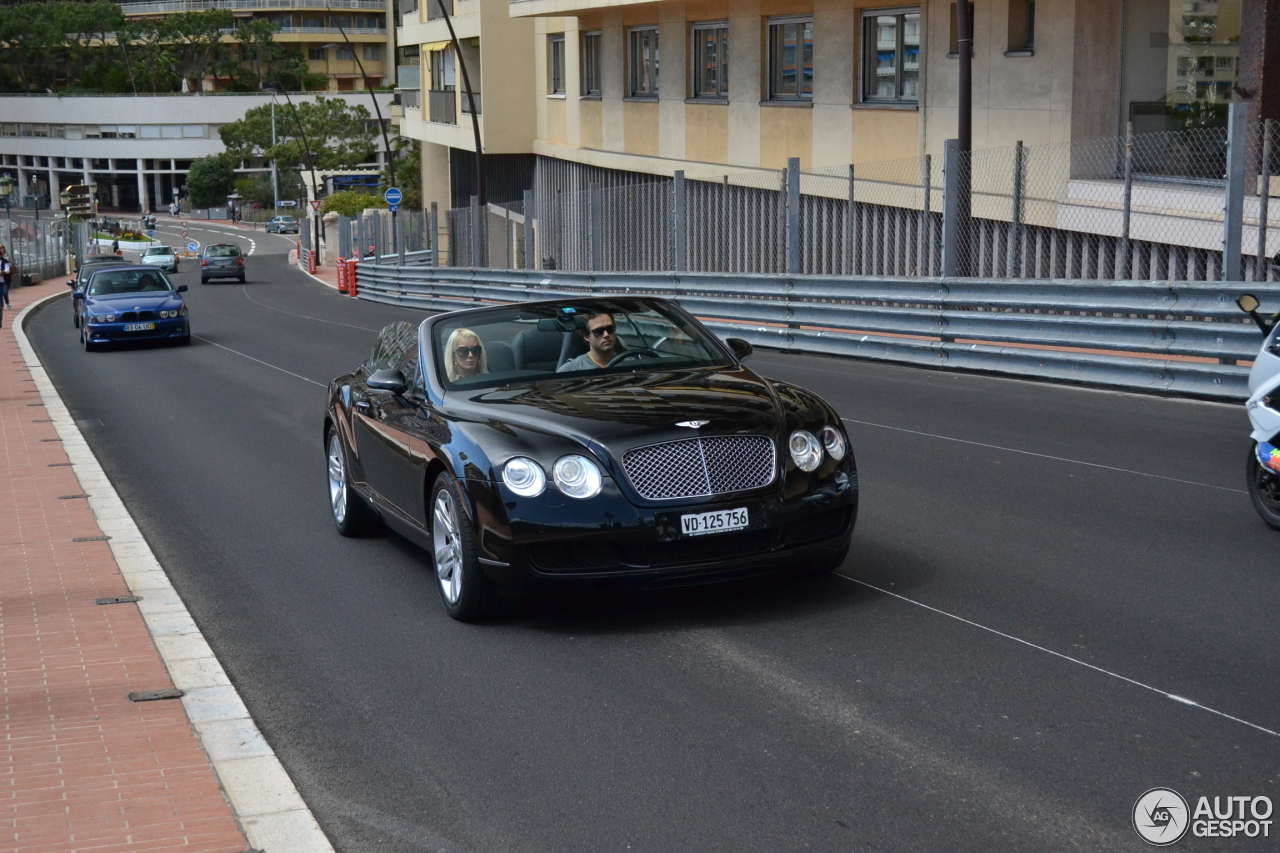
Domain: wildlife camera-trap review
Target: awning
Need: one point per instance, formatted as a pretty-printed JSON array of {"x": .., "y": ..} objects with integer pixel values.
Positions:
[{"x": 437, "y": 45}]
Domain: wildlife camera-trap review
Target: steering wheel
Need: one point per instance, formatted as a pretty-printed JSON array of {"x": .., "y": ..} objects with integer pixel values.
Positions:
[{"x": 631, "y": 353}]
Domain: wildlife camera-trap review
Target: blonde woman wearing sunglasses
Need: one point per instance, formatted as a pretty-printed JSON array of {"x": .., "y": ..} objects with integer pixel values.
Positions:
[{"x": 466, "y": 355}]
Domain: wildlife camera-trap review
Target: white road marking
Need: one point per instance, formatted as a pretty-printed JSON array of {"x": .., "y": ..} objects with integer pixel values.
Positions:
[
  {"x": 260, "y": 361},
  {"x": 1180, "y": 699},
  {"x": 1047, "y": 456}
]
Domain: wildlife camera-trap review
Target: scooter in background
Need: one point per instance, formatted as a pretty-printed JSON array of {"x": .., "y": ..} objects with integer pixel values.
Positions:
[{"x": 1263, "y": 406}]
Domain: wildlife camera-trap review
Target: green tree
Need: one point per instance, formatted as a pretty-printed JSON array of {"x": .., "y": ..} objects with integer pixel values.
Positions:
[
  {"x": 351, "y": 202},
  {"x": 339, "y": 135},
  {"x": 210, "y": 180},
  {"x": 32, "y": 43},
  {"x": 197, "y": 37}
]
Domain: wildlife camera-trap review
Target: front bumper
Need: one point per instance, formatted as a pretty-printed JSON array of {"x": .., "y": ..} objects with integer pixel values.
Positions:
[
  {"x": 167, "y": 266},
  {"x": 553, "y": 539},
  {"x": 174, "y": 327}
]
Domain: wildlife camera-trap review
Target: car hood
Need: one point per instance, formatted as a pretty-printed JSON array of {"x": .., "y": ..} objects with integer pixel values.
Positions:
[
  {"x": 135, "y": 301},
  {"x": 620, "y": 411}
]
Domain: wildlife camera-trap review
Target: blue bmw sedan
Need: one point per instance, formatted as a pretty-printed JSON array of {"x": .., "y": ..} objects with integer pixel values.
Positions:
[{"x": 132, "y": 303}]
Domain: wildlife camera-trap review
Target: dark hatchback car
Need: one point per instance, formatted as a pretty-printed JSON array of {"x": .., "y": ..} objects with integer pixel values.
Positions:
[
  {"x": 81, "y": 278},
  {"x": 495, "y": 439},
  {"x": 221, "y": 260},
  {"x": 131, "y": 303}
]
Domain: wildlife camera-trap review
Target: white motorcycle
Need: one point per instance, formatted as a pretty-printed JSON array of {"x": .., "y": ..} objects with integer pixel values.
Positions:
[{"x": 1263, "y": 407}]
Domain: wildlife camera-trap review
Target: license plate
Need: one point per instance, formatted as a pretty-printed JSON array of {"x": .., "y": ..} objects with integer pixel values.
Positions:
[
  {"x": 720, "y": 521},
  {"x": 139, "y": 327}
]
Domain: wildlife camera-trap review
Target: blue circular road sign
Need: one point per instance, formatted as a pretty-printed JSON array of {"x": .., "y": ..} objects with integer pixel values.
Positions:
[
  {"x": 393, "y": 196},
  {"x": 191, "y": 247}
]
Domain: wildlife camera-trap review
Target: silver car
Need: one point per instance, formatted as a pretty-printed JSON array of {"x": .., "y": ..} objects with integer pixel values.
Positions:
[
  {"x": 161, "y": 256},
  {"x": 282, "y": 225}
]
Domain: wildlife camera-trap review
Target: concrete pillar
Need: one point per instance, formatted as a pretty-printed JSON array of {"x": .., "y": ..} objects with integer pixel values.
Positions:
[
  {"x": 144, "y": 202},
  {"x": 55, "y": 189}
]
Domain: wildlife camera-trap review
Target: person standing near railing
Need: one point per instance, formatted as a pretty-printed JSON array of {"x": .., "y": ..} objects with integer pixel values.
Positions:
[{"x": 6, "y": 274}]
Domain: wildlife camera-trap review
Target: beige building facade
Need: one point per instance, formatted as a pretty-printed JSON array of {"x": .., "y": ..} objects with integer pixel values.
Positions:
[{"x": 719, "y": 86}]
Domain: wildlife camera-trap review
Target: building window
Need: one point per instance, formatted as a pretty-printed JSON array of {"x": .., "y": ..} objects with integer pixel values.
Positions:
[
  {"x": 711, "y": 60},
  {"x": 644, "y": 62},
  {"x": 591, "y": 63},
  {"x": 345, "y": 54},
  {"x": 791, "y": 59},
  {"x": 193, "y": 131},
  {"x": 372, "y": 53},
  {"x": 891, "y": 56},
  {"x": 1022, "y": 26},
  {"x": 555, "y": 59},
  {"x": 316, "y": 54},
  {"x": 8, "y": 129},
  {"x": 441, "y": 64}
]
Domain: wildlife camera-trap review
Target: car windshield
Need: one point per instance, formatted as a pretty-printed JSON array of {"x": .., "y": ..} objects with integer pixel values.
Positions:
[
  {"x": 160, "y": 250},
  {"x": 222, "y": 251},
  {"x": 533, "y": 343},
  {"x": 112, "y": 282}
]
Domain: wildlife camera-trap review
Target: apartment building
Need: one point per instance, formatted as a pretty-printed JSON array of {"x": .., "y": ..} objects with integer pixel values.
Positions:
[{"x": 313, "y": 28}]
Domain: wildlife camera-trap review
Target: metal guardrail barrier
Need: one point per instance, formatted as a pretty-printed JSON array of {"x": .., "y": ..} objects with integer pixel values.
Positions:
[{"x": 1166, "y": 337}]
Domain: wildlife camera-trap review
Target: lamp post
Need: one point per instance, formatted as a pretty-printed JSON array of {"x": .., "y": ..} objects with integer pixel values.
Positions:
[{"x": 36, "y": 186}]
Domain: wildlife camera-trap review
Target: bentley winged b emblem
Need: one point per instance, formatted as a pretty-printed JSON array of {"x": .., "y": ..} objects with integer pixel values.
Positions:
[{"x": 693, "y": 424}]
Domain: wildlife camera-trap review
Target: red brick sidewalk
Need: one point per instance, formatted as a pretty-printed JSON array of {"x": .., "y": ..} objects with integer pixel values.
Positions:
[{"x": 82, "y": 768}]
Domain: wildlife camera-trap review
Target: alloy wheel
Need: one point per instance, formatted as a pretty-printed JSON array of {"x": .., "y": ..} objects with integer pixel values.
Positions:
[
  {"x": 448, "y": 549},
  {"x": 337, "y": 479}
]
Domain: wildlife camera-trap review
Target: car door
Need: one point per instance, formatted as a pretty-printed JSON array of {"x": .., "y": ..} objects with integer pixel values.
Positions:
[{"x": 381, "y": 422}]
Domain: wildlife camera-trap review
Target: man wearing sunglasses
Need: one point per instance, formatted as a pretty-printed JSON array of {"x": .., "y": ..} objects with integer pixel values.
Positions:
[{"x": 601, "y": 335}]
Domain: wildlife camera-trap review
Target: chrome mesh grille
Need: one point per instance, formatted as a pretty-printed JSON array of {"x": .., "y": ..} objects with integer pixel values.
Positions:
[{"x": 697, "y": 467}]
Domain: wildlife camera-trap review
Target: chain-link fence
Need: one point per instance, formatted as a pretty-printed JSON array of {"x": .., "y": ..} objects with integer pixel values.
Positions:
[
  {"x": 1149, "y": 206},
  {"x": 39, "y": 248}
]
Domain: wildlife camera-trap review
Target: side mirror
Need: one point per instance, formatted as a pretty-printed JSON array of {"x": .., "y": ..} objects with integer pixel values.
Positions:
[
  {"x": 1248, "y": 303},
  {"x": 182, "y": 288},
  {"x": 71, "y": 282},
  {"x": 388, "y": 380},
  {"x": 741, "y": 349}
]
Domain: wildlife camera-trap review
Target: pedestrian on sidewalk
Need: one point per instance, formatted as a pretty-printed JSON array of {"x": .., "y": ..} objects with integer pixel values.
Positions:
[
  {"x": 91, "y": 247},
  {"x": 115, "y": 246},
  {"x": 6, "y": 275}
]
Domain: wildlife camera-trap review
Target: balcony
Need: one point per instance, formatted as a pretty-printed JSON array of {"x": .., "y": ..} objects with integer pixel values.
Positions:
[
  {"x": 351, "y": 31},
  {"x": 466, "y": 103},
  {"x": 410, "y": 99},
  {"x": 442, "y": 106},
  {"x": 435, "y": 12},
  {"x": 160, "y": 7}
]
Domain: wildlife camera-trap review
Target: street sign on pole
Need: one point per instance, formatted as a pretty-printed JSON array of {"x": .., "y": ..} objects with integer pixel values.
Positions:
[
  {"x": 315, "y": 205},
  {"x": 394, "y": 207},
  {"x": 184, "y": 233},
  {"x": 393, "y": 197},
  {"x": 151, "y": 232},
  {"x": 191, "y": 247}
]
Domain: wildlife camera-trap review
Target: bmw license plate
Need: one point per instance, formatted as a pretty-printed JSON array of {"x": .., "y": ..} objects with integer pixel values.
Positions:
[
  {"x": 139, "y": 327},
  {"x": 720, "y": 521}
]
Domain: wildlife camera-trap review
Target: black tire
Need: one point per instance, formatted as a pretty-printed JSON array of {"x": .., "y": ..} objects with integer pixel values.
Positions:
[
  {"x": 89, "y": 346},
  {"x": 353, "y": 517},
  {"x": 185, "y": 340},
  {"x": 466, "y": 591},
  {"x": 204, "y": 280},
  {"x": 1264, "y": 490},
  {"x": 75, "y": 319},
  {"x": 242, "y": 279}
]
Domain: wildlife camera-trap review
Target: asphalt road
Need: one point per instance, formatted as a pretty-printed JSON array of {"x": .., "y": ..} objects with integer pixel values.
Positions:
[{"x": 1036, "y": 568}]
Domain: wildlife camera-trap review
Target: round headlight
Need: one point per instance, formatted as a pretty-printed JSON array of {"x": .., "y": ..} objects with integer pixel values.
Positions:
[
  {"x": 833, "y": 441},
  {"x": 805, "y": 450},
  {"x": 524, "y": 477},
  {"x": 107, "y": 318},
  {"x": 577, "y": 477}
]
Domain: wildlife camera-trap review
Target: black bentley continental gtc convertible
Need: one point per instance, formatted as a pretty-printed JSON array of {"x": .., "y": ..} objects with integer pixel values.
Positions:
[{"x": 599, "y": 439}]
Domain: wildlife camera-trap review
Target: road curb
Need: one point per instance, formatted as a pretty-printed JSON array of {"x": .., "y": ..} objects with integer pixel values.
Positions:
[{"x": 271, "y": 812}]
